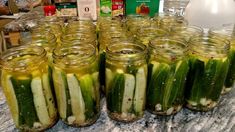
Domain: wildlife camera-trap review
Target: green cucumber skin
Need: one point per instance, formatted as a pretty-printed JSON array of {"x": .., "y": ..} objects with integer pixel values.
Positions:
[
  {"x": 174, "y": 90},
  {"x": 208, "y": 79},
  {"x": 24, "y": 95},
  {"x": 68, "y": 98},
  {"x": 193, "y": 89},
  {"x": 51, "y": 83},
  {"x": 102, "y": 68},
  {"x": 230, "y": 78},
  {"x": 222, "y": 70},
  {"x": 156, "y": 86},
  {"x": 87, "y": 89},
  {"x": 115, "y": 93}
]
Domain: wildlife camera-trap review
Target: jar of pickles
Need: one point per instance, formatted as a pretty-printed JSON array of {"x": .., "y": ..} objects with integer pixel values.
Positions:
[
  {"x": 76, "y": 80},
  {"x": 209, "y": 64},
  {"x": 126, "y": 79},
  {"x": 167, "y": 72},
  {"x": 227, "y": 32},
  {"x": 25, "y": 80}
]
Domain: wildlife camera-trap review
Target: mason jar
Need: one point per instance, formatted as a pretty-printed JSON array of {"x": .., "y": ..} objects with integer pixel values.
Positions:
[
  {"x": 144, "y": 35},
  {"x": 209, "y": 63},
  {"x": 186, "y": 32},
  {"x": 168, "y": 22},
  {"x": 227, "y": 32},
  {"x": 167, "y": 72},
  {"x": 79, "y": 37},
  {"x": 135, "y": 22},
  {"x": 26, "y": 84},
  {"x": 48, "y": 42},
  {"x": 126, "y": 80},
  {"x": 106, "y": 38},
  {"x": 76, "y": 80}
]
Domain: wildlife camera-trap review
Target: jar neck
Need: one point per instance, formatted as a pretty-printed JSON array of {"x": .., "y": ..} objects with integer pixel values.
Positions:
[
  {"x": 23, "y": 58},
  {"x": 126, "y": 52},
  {"x": 74, "y": 56},
  {"x": 207, "y": 47},
  {"x": 167, "y": 50}
]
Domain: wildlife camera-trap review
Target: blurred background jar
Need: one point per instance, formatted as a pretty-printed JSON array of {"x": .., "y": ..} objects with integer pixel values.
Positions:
[
  {"x": 76, "y": 81},
  {"x": 25, "y": 81}
]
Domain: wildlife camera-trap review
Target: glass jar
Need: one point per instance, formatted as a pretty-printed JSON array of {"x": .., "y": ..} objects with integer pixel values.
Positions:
[
  {"x": 48, "y": 42},
  {"x": 168, "y": 22},
  {"x": 76, "y": 80},
  {"x": 126, "y": 80},
  {"x": 208, "y": 69},
  {"x": 25, "y": 81},
  {"x": 167, "y": 72},
  {"x": 227, "y": 32},
  {"x": 135, "y": 22},
  {"x": 144, "y": 35},
  {"x": 79, "y": 37},
  {"x": 186, "y": 32}
]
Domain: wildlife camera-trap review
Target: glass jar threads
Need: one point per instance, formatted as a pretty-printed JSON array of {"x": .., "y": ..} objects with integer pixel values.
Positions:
[
  {"x": 126, "y": 79},
  {"x": 208, "y": 64},
  {"x": 145, "y": 34},
  {"x": 25, "y": 81},
  {"x": 167, "y": 72},
  {"x": 227, "y": 32},
  {"x": 75, "y": 76}
]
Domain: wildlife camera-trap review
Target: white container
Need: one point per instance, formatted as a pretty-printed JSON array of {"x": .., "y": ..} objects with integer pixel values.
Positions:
[
  {"x": 87, "y": 9},
  {"x": 210, "y": 13}
]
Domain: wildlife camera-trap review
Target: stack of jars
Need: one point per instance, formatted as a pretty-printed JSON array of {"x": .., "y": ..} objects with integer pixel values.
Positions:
[{"x": 157, "y": 73}]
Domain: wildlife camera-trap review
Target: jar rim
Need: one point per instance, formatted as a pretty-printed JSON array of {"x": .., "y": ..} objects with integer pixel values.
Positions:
[
  {"x": 74, "y": 54},
  {"x": 124, "y": 51},
  {"x": 37, "y": 53}
]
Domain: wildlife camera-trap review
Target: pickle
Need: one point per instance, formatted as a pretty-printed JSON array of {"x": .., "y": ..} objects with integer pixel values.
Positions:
[
  {"x": 102, "y": 69},
  {"x": 89, "y": 97},
  {"x": 115, "y": 93},
  {"x": 62, "y": 93},
  {"x": 165, "y": 92},
  {"x": 77, "y": 102},
  {"x": 203, "y": 91},
  {"x": 230, "y": 78},
  {"x": 23, "y": 92}
]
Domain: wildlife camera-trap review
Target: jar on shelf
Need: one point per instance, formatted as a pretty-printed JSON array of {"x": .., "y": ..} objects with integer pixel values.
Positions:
[
  {"x": 76, "y": 80},
  {"x": 167, "y": 72},
  {"x": 168, "y": 22},
  {"x": 227, "y": 32},
  {"x": 208, "y": 62},
  {"x": 126, "y": 80},
  {"x": 26, "y": 84}
]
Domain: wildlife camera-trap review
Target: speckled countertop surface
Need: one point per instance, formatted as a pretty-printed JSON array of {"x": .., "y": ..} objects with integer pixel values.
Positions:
[{"x": 220, "y": 119}]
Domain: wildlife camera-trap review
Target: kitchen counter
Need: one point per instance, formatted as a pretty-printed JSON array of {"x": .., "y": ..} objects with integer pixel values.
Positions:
[{"x": 220, "y": 119}]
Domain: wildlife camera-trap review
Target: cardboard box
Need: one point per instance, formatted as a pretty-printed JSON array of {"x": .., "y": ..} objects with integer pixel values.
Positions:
[
  {"x": 106, "y": 8},
  {"x": 118, "y": 8},
  {"x": 66, "y": 9},
  {"x": 87, "y": 9},
  {"x": 142, "y": 7}
]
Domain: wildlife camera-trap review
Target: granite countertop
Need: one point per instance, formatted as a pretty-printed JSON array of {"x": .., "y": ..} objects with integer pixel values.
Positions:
[{"x": 220, "y": 119}]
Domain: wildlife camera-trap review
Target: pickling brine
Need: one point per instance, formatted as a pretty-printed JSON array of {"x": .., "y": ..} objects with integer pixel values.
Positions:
[
  {"x": 26, "y": 82},
  {"x": 126, "y": 79},
  {"x": 76, "y": 80}
]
